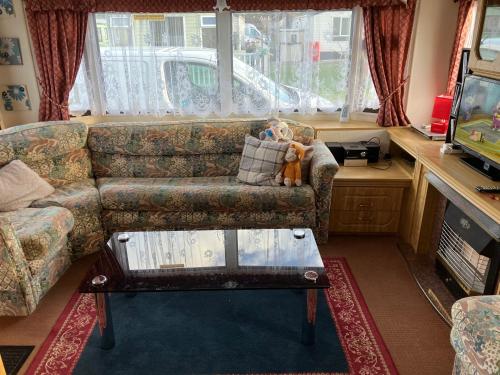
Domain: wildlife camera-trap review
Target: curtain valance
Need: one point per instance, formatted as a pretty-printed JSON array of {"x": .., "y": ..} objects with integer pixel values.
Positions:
[
  {"x": 141, "y": 6},
  {"x": 259, "y": 5},
  {"x": 160, "y": 6}
]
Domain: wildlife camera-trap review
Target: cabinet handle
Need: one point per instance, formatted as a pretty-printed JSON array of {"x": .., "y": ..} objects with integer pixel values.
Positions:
[{"x": 365, "y": 205}]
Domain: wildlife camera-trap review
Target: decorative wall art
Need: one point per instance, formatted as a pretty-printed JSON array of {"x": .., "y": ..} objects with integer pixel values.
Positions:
[
  {"x": 10, "y": 51},
  {"x": 7, "y": 8},
  {"x": 15, "y": 98}
]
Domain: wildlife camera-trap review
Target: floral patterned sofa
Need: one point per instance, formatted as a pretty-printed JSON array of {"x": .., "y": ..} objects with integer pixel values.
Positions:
[
  {"x": 475, "y": 335},
  {"x": 38, "y": 243},
  {"x": 138, "y": 176}
]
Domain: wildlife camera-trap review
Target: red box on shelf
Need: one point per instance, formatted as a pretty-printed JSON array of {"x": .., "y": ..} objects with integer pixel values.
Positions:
[
  {"x": 439, "y": 127},
  {"x": 441, "y": 113}
]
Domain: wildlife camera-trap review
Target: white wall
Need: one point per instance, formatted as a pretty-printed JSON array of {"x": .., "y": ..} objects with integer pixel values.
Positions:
[
  {"x": 433, "y": 34},
  {"x": 16, "y": 27}
]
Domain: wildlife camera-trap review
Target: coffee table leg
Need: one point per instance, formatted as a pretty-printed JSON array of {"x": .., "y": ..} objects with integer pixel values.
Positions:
[
  {"x": 105, "y": 320},
  {"x": 309, "y": 322}
]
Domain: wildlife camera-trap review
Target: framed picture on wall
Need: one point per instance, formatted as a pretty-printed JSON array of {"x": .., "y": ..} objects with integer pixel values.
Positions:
[
  {"x": 15, "y": 98},
  {"x": 10, "y": 51},
  {"x": 7, "y": 8}
]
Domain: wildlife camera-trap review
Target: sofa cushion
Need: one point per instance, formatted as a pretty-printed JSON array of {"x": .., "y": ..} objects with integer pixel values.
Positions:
[
  {"x": 53, "y": 149},
  {"x": 65, "y": 169},
  {"x": 81, "y": 194},
  {"x": 43, "y": 140},
  {"x": 117, "y": 221},
  {"x": 118, "y": 165},
  {"x": 172, "y": 138},
  {"x": 200, "y": 194},
  {"x": 19, "y": 186},
  {"x": 82, "y": 199},
  {"x": 183, "y": 137},
  {"x": 261, "y": 161},
  {"x": 40, "y": 229},
  {"x": 176, "y": 148}
]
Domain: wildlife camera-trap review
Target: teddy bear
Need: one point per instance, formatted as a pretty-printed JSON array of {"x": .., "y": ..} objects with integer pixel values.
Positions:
[
  {"x": 277, "y": 131},
  {"x": 291, "y": 173}
]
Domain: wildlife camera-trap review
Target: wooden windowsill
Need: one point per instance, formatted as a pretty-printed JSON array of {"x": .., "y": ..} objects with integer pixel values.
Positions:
[{"x": 319, "y": 121}]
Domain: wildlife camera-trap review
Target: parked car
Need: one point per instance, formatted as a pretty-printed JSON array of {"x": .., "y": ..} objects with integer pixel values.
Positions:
[{"x": 188, "y": 83}]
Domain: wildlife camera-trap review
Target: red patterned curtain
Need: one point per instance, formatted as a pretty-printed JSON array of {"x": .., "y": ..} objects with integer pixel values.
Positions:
[
  {"x": 268, "y": 5},
  {"x": 464, "y": 21},
  {"x": 58, "y": 39},
  {"x": 388, "y": 34},
  {"x": 159, "y": 6},
  {"x": 144, "y": 6}
]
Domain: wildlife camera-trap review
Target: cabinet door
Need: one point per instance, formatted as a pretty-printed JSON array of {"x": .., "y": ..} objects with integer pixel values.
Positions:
[
  {"x": 367, "y": 198},
  {"x": 365, "y": 221}
]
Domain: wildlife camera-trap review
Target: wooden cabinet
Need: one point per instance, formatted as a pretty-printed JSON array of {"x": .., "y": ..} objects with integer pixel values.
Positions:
[
  {"x": 362, "y": 198},
  {"x": 368, "y": 199}
]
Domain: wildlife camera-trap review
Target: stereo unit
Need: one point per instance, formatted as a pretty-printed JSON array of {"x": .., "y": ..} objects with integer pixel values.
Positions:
[
  {"x": 354, "y": 150},
  {"x": 337, "y": 151}
]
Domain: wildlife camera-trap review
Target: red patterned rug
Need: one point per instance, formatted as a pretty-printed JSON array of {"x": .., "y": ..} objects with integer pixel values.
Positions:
[{"x": 363, "y": 346}]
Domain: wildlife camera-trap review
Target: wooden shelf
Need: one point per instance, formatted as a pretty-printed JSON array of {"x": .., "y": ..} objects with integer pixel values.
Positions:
[
  {"x": 398, "y": 173},
  {"x": 410, "y": 141},
  {"x": 449, "y": 168},
  {"x": 461, "y": 178}
]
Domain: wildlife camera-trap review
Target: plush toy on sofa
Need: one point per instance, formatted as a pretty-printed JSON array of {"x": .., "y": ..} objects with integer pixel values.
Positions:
[
  {"x": 291, "y": 172},
  {"x": 277, "y": 131}
]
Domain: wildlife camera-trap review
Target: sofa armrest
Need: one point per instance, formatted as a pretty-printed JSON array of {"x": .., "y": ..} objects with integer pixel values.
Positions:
[
  {"x": 322, "y": 170},
  {"x": 18, "y": 295},
  {"x": 475, "y": 335}
]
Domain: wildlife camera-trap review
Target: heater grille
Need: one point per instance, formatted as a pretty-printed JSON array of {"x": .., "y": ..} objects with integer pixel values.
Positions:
[{"x": 467, "y": 265}]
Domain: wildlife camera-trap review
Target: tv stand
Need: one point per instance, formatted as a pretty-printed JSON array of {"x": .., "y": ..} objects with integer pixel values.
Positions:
[{"x": 492, "y": 173}]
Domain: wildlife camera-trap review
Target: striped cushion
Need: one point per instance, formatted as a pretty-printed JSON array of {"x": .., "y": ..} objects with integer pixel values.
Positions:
[{"x": 261, "y": 161}]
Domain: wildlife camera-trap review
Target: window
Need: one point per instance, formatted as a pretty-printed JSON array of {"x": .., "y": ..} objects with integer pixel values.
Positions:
[
  {"x": 120, "y": 21},
  {"x": 341, "y": 26},
  {"x": 270, "y": 62},
  {"x": 208, "y": 21}
]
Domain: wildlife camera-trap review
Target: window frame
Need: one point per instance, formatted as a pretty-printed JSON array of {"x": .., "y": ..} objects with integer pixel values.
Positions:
[
  {"x": 342, "y": 20},
  {"x": 224, "y": 50}
]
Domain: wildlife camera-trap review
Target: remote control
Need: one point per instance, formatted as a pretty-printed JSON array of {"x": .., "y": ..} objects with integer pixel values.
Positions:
[{"x": 488, "y": 189}]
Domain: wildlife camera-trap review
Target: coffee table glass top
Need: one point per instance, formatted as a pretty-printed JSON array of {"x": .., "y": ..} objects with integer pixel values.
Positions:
[{"x": 208, "y": 259}]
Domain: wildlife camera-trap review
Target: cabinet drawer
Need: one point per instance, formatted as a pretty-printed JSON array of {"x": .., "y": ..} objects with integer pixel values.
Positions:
[
  {"x": 367, "y": 198},
  {"x": 365, "y": 221}
]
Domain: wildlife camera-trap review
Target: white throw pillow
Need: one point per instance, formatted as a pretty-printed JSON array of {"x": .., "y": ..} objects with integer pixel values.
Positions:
[{"x": 20, "y": 185}]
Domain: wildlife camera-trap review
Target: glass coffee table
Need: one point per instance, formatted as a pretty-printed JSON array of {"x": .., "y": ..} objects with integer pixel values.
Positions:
[{"x": 201, "y": 260}]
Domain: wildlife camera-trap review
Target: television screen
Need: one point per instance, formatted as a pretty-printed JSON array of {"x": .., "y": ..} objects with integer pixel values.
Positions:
[{"x": 478, "y": 121}]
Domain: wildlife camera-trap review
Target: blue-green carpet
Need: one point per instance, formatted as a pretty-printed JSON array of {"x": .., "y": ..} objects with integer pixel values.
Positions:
[{"x": 220, "y": 332}]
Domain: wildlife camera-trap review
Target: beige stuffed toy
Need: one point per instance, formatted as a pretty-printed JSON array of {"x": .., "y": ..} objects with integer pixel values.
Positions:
[{"x": 277, "y": 131}]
